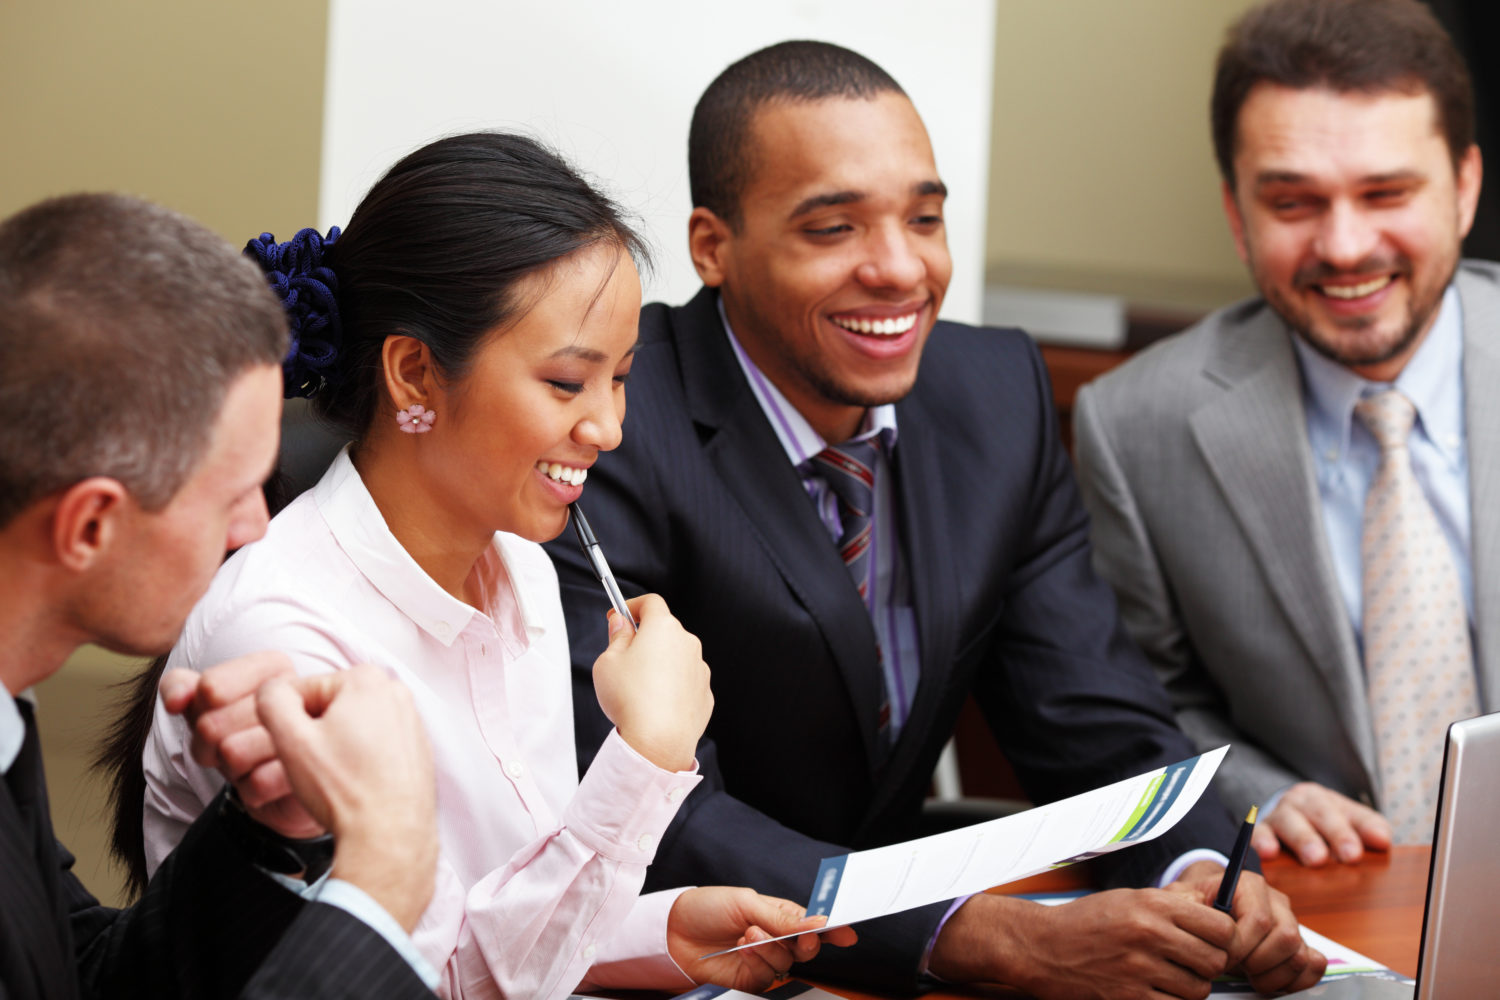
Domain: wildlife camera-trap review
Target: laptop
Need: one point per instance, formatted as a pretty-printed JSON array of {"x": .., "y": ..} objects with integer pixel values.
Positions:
[{"x": 1458, "y": 959}]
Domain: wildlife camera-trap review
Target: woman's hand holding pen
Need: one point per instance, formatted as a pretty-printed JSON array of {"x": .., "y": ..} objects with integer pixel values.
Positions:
[{"x": 653, "y": 685}]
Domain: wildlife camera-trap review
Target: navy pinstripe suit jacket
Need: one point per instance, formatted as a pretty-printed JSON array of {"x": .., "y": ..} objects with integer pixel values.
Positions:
[
  {"x": 209, "y": 925},
  {"x": 700, "y": 505}
]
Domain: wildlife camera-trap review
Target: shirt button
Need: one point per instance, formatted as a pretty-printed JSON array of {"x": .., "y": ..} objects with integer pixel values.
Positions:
[
  {"x": 515, "y": 769},
  {"x": 645, "y": 842},
  {"x": 673, "y": 794},
  {"x": 443, "y": 630},
  {"x": 588, "y": 953}
]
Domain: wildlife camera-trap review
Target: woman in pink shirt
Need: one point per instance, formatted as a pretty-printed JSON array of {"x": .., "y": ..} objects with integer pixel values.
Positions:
[{"x": 472, "y": 332}]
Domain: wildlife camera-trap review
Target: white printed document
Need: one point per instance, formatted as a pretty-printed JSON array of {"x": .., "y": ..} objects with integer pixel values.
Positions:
[{"x": 868, "y": 884}]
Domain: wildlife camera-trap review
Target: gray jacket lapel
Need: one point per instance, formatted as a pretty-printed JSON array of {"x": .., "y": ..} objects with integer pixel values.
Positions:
[
  {"x": 1254, "y": 441},
  {"x": 1479, "y": 290}
]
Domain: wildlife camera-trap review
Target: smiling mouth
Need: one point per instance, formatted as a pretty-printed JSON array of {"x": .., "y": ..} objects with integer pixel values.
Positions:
[
  {"x": 892, "y": 327},
  {"x": 570, "y": 475},
  {"x": 1359, "y": 291}
]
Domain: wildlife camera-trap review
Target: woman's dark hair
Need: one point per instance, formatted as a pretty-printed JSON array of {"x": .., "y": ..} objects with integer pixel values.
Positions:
[{"x": 436, "y": 251}]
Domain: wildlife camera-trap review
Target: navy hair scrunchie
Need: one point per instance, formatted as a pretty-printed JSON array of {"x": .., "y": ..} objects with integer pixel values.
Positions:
[{"x": 309, "y": 293}]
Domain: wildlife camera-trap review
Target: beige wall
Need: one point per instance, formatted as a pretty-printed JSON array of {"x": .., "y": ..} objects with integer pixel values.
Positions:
[
  {"x": 212, "y": 108},
  {"x": 1102, "y": 175}
]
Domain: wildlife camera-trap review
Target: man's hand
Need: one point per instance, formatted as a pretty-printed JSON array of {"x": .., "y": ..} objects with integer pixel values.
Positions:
[
  {"x": 653, "y": 685},
  {"x": 358, "y": 758},
  {"x": 219, "y": 706},
  {"x": 1312, "y": 819},
  {"x": 712, "y": 918},
  {"x": 1123, "y": 945},
  {"x": 1267, "y": 946}
]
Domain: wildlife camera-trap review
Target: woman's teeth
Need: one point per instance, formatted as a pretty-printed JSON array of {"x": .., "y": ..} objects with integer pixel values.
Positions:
[
  {"x": 879, "y": 327},
  {"x": 563, "y": 473}
]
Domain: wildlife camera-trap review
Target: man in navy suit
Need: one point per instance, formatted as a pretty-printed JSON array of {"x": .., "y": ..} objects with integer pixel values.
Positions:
[
  {"x": 845, "y": 622},
  {"x": 139, "y": 358}
]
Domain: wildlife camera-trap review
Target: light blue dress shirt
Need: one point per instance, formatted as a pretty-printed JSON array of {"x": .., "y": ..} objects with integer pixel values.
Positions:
[{"x": 1345, "y": 455}]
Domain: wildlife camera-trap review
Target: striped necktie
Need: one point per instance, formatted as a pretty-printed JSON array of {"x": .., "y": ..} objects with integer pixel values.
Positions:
[
  {"x": 849, "y": 470},
  {"x": 1419, "y": 669}
]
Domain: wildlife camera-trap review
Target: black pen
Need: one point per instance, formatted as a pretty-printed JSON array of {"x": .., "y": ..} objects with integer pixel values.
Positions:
[
  {"x": 590, "y": 546},
  {"x": 1236, "y": 863}
]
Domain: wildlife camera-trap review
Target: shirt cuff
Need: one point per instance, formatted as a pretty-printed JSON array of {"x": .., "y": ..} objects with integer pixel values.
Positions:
[
  {"x": 362, "y": 907},
  {"x": 359, "y": 904},
  {"x": 1176, "y": 868},
  {"x": 1274, "y": 799},
  {"x": 624, "y": 802},
  {"x": 922, "y": 968}
]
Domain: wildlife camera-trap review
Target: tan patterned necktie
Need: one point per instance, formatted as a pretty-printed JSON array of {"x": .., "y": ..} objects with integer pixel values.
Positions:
[{"x": 1419, "y": 669}]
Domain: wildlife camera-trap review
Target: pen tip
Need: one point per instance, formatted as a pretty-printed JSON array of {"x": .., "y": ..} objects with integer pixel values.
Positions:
[{"x": 1251, "y": 817}]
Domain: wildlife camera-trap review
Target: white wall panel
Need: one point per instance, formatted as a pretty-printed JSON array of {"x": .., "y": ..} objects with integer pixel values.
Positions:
[{"x": 612, "y": 85}]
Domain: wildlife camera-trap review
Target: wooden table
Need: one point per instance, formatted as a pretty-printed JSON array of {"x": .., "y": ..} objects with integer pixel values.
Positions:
[{"x": 1374, "y": 907}]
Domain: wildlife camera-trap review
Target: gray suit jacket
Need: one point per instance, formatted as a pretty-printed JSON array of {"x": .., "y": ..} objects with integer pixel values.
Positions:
[{"x": 1195, "y": 467}]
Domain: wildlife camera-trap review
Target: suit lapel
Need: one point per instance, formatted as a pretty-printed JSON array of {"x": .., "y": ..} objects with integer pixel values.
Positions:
[
  {"x": 753, "y": 466},
  {"x": 927, "y": 553},
  {"x": 1481, "y": 305},
  {"x": 28, "y": 868},
  {"x": 1254, "y": 441}
]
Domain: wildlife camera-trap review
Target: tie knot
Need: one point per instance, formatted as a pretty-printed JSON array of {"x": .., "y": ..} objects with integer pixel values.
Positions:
[
  {"x": 1389, "y": 416},
  {"x": 849, "y": 470}
]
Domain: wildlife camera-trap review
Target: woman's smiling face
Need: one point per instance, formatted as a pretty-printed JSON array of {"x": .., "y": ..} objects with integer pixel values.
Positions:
[{"x": 516, "y": 434}]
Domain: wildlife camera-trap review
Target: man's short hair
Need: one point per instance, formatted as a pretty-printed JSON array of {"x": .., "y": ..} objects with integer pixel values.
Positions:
[
  {"x": 719, "y": 150},
  {"x": 122, "y": 325},
  {"x": 1372, "y": 46}
]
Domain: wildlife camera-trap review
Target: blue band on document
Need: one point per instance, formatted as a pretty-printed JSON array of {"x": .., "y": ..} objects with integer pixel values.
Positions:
[
  {"x": 1172, "y": 782},
  {"x": 706, "y": 992},
  {"x": 826, "y": 886}
]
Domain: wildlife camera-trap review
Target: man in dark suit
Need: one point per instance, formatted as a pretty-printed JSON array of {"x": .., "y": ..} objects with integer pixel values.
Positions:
[
  {"x": 140, "y": 357},
  {"x": 847, "y": 622}
]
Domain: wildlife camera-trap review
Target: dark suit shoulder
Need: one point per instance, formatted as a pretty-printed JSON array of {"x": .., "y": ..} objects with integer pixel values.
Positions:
[{"x": 973, "y": 370}]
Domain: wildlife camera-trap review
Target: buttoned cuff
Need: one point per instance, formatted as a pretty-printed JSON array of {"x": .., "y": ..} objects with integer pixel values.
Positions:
[{"x": 624, "y": 802}]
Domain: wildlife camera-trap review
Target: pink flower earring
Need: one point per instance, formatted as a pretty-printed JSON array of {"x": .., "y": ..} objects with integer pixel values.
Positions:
[{"x": 415, "y": 419}]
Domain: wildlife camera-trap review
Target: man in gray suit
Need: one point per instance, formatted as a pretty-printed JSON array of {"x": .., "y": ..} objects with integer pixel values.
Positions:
[{"x": 1267, "y": 530}]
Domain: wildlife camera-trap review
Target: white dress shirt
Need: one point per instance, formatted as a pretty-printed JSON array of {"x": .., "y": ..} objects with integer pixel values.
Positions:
[{"x": 538, "y": 873}]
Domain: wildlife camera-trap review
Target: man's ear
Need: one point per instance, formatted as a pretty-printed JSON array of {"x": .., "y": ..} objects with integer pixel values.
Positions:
[
  {"x": 409, "y": 373},
  {"x": 1236, "y": 221},
  {"x": 710, "y": 242},
  {"x": 87, "y": 521},
  {"x": 1469, "y": 180}
]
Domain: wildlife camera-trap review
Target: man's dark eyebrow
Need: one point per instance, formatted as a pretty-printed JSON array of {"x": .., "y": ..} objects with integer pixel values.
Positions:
[
  {"x": 1270, "y": 177},
  {"x": 830, "y": 200},
  {"x": 921, "y": 189}
]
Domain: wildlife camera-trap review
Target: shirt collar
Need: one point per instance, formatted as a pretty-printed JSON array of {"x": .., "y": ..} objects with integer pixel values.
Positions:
[
  {"x": 12, "y": 730},
  {"x": 360, "y": 530},
  {"x": 796, "y": 435},
  {"x": 1432, "y": 380}
]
